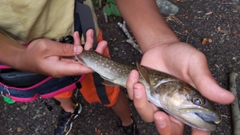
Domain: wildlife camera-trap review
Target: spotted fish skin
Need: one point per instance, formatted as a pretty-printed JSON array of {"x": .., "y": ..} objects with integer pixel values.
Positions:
[{"x": 174, "y": 96}]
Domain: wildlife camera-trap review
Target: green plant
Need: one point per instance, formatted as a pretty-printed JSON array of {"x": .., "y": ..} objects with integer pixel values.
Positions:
[{"x": 111, "y": 8}]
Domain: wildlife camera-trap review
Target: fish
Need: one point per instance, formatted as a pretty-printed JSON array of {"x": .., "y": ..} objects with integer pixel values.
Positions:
[{"x": 168, "y": 93}]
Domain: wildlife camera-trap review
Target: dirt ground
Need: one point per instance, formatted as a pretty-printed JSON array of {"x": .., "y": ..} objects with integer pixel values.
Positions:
[{"x": 215, "y": 20}]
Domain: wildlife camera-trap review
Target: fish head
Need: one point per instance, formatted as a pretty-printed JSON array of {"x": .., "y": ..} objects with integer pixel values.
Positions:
[{"x": 186, "y": 104}]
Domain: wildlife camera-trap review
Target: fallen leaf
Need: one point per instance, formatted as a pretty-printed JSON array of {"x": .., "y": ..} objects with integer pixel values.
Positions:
[
  {"x": 115, "y": 48},
  {"x": 235, "y": 33},
  {"x": 218, "y": 28},
  {"x": 208, "y": 13},
  {"x": 209, "y": 40},
  {"x": 204, "y": 41},
  {"x": 19, "y": 129},
  {"x": 99, "y": 132},
  {"x": 24, "y": 107}
]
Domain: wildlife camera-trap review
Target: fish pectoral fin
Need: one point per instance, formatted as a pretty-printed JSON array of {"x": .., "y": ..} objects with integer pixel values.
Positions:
[
  {"x": 90, "y": 49},
  {"x": 108, "y": 83},
  {"x": 163, "y": 81},
  {"x": 143, "y": 73},
  {"x": 77, "y": 58},
  {"x": 153, "y": 90},
  {"x": 105, "y": 78}
]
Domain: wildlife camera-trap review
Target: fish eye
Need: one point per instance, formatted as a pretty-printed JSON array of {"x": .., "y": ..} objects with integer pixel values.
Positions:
[{"x": 198, "y": 100}]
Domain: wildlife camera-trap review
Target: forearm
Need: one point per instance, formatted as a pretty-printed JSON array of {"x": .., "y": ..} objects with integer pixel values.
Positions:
[
  {"x": 9, "y": 51},
  {"x": 147, "y": 24}
]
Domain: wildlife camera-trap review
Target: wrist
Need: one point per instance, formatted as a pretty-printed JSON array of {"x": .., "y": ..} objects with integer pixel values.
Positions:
[
  {"x": 18, "y": 62},
  {"x": 158, "y": 44}
]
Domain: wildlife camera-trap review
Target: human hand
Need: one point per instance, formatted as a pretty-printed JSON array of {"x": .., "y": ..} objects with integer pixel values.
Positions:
[
  {"x": 49, "y": 57},
  {"x": 188, "y": 64}
]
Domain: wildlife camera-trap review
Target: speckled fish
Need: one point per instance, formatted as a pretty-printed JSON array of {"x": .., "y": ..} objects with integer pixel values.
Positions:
[{"x": 172, "y": 95}]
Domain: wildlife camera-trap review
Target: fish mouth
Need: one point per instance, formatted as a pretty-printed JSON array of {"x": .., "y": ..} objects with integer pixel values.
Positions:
[
  {"x": 210, "y": 118},
  {"x": 203, "y": 119}
]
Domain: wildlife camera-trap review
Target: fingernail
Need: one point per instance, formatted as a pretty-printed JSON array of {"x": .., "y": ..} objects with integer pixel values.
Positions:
[
  {"x": 91, "y": 33},
  {"x": 161, "y": 123},
  {"x": 137, "y": 93},
  {"x": 77, "y": 49}
]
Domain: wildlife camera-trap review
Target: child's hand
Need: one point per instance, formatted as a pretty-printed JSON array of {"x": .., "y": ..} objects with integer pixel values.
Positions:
[{"x": 49, "y": 57}]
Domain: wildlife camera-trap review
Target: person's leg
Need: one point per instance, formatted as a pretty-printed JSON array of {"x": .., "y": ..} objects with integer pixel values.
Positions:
[
  {"x": 70, "y": 111},
  {"x": 67, "y": 104},
  {"x": 121, "y": 108}
]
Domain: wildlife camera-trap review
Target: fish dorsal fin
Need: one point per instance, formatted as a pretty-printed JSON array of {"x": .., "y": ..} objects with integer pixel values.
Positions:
[{"x": 143, "y": 73}]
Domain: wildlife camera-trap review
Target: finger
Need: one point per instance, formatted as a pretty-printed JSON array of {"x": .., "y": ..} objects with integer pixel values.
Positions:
[
  {"x": 101, "y": 47},
  {"x": 59, "y": 49},
  {"x": 71, "y": 50},
  {"x": 89, "y": 40},
  {"x": 167, "y": 125},
  {"x": 65, "y": 67},
  {"x": 77, "y": 43},
  {"x": 68, "y": 69},
  {"x": 46, "y": 48},
  {"x": 132, "y": 79},
  {"x": 206, "y": 84},
  {"x": 198, "y": 132},
  {"x": 141, "y": 103},
  {"x": 76, "y": 37}
]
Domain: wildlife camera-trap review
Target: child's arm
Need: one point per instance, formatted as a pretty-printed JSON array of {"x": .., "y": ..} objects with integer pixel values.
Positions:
[{"x": 45, "y": 56}]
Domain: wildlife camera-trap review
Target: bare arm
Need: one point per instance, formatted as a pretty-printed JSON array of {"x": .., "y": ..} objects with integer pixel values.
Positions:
[
  {"x": 146, "y": 23},
  {"x": 46, "y": 56},
  {"x": 10, "y": 51}
]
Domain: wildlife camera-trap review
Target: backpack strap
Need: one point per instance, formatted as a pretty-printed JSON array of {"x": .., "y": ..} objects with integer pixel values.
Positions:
[{"x": 83, "y": 21}]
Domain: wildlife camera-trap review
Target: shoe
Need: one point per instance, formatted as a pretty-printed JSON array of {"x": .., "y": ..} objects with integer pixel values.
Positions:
[
  {"x": 65, "y": 122},
  {"x": 131, "y": 129}
]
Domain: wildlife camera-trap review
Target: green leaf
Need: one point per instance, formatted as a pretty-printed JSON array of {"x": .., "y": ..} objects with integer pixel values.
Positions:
[
  {"x": 111, "y": 9},
  {"x": 111, "y": 1},
  {"x": 24, "y": 107},
  {"x": 115, "y": 48},
  {"x": 95, "y": 2}
]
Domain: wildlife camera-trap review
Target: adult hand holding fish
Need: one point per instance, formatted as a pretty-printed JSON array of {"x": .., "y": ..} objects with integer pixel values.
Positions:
[{"x": 164, "y": 52}]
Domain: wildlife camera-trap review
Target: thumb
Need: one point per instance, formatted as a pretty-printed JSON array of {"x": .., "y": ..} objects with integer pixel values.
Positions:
[
  {"x": 206, "y": 84},
  {"x": 53, "y": 48},
  {"x": 209, "y": 88},
  {"x": 69, "y": 49}
]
